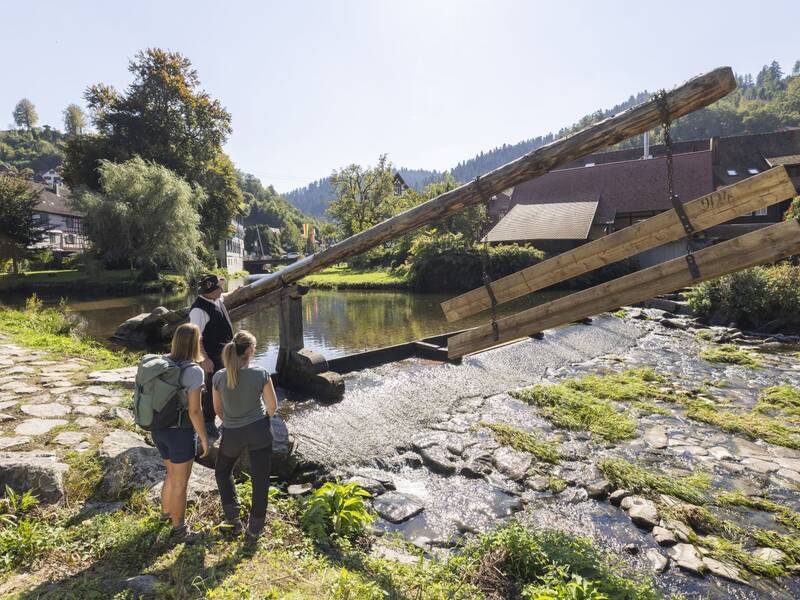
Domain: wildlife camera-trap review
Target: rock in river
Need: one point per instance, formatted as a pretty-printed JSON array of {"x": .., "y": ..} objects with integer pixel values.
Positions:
[
  {"x": 396, "y": 507},
  {"x": 643, "y": 512},
  {"x": 439, "y": 460},
  {"x": 688, "y": 558},
  {"x": 658, "y": 562},
  {"x": 514, "y": 464}
]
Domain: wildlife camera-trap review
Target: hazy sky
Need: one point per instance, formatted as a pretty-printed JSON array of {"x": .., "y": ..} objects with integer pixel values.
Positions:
[{"x": 315, "y": 85}]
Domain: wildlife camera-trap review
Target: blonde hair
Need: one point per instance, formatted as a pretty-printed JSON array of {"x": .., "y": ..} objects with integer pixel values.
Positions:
[
  {"x": 233, "y": 355},
  {"x": 186, "y": 344}
]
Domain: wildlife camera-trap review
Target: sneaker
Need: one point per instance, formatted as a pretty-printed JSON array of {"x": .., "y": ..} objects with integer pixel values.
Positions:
[
  {"x": 165, "y": 517},
  {"x": 232, "y": 524},
  {"x": 182, "y": 535},
  {"x": 254, "y": 528}
]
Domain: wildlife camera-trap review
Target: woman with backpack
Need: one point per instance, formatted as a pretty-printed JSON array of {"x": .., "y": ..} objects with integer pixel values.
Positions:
[
  {"x": 244, "y": 399},
  {"x": 176, "y": 443}
]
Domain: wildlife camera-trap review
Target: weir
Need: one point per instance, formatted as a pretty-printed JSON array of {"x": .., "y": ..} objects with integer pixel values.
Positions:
[{"x": 301, "y": 368}]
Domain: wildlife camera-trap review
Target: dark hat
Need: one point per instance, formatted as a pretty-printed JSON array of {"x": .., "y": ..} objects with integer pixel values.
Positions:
[{"x": 208, "y": 284}]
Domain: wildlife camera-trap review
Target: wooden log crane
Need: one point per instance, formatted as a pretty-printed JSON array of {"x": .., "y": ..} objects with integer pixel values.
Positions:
[{"x": 303, "y": 369}]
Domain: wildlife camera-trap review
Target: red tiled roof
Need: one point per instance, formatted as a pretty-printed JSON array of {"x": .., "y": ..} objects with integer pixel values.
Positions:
[{"x": 630, "y": 186}]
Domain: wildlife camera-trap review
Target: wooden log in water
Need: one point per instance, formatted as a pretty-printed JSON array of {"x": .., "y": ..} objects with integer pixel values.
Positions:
[
  {"x": 712, "y": 209},
  {"x": 763, "y": 246},
  {"x": 692, "y": 95}
]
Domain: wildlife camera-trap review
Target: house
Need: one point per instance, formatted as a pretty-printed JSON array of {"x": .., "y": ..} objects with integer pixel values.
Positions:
[
  {"x": 230, "y": 253},
  {"x": 65, "y": 232},
  {"x": 609, "y": 191},
  {"x": 51, "y": 178}
]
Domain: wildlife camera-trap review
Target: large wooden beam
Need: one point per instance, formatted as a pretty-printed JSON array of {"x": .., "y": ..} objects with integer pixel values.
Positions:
[
  {"x": 763, "y": 246},
  {"x": 692, "y": 95},
  {"x": 712, "y": 209}
]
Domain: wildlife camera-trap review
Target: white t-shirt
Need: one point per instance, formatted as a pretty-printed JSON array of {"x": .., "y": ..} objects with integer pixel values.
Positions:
[{"x": 200, "y": 317}]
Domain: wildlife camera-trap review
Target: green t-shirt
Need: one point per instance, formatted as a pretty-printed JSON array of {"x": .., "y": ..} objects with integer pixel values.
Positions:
[{"x": 242, "y": 405}]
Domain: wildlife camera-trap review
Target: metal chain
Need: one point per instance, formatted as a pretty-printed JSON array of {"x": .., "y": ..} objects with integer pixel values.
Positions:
[
  {"x": 661, "y": 100},
  {"x": 485, "y": 261}
]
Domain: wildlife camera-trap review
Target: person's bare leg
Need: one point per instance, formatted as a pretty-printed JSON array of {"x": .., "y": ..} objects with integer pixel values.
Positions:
[
  {"x": 177, "y": 501},
  {"x": 166, "y": 489}
]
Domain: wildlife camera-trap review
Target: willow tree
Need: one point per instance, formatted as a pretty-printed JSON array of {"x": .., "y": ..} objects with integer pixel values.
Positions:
[
  {"x": 144, "y": 216},
  {"x": 19, "y": 227}
]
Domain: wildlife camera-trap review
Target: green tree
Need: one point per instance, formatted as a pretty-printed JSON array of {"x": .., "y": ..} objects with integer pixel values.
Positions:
[
  {"x": 164, "y": 117},
  {"x": 74, "y": 120},
  {"x": 364, "y": 197},
  {"x": 19, "y": 227},
  {"x": 144, "y": 216},
  {"x": 25, "y": 114},
  {"x": 258, "y": 238},
  {"x": 291, "y": 239}
]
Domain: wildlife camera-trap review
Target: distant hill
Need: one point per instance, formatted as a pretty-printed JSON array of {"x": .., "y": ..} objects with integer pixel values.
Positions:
[
  {"x": 27, "y": 152},
  {"x": 767, "y": 102}
]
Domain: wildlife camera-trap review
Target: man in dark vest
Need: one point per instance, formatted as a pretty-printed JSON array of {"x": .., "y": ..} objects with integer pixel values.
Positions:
[{"x": 209, "y": 313}]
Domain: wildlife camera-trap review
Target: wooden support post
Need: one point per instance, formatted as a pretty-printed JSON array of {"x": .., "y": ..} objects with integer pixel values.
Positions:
[
  {"x": 712, "y": 209},
  {"x": 763, "y": 246},
  {"x": 298, "y": 367}
]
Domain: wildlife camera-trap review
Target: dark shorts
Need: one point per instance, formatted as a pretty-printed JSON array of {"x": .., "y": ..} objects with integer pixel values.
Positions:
[
  {"x": 255, "y": 436},
  {"x": 175, "y": 444}
]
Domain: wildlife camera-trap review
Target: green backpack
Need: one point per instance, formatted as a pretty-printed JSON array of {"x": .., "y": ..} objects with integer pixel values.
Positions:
[{"x": 159, "y": 400}]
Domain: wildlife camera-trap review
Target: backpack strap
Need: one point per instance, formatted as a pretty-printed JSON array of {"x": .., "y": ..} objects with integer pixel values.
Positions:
[{"x": 182, "y": 366}]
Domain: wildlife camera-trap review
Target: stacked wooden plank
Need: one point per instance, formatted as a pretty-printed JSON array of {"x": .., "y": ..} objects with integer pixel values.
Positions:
[{"x": 712, "y": 209}]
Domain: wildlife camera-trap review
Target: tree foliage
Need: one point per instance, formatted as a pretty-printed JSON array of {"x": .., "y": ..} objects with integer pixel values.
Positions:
[
  {"x": 291, "y": 238},
  {"x": 24, "y": 153},
  {"x": 25, "y": 114},
  {"x": 364, "y": 196},
  {"x": 74, "y": 120},
  {"x": 19, "y": 228},
  {"x": 144, "y": 216},
  {"x": 164, "y": 117}
]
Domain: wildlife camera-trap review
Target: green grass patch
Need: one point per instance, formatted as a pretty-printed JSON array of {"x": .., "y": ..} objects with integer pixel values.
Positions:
[
  {"x": 750, "y": 424},
  {"x": 729, "y": 354},
  {"x": 704, "y": 334},
  {"x": 645, "y": 480},
  {"x": 84, "y": 476},
  {"x": 342, "y": 277},
  {"x": 523, "y": 440},
  {"x": 556, "y": 484},
  {"x": 621, "y": 313},
  {"x": 54, "y": 330},
  {"x": 781, "y": 398},
  {"x": 88, "y": 284},
  {"x": 783, "y": 514},
  {"x": 626, "y": 386}
]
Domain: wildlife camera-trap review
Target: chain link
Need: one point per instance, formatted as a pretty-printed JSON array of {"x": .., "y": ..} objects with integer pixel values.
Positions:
[
  {"x": 485, "y": 260},
  {"x": 661, "y": 100}
]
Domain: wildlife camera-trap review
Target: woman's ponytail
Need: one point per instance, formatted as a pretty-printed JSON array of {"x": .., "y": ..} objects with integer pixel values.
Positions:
[{"x": 233, "y": 355}]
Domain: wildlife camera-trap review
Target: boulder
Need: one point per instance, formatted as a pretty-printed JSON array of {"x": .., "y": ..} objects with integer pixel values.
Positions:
[
  {"x": 574, "y": 495},
  {"x": 396, "y": 507},
  {"x": 373, "y": 486},
  {"x": 598, "y": 489},
  {"x": 141, "y": 585},
  {"x": 477, "y": 462},
  {"x": 656, "y": 437},
  {"x": 439, "y": 460},
  {"x": 617, "y": 496},
  {"x": 130, "y": 463},
  {"x": 770, "y": 555},
  {"x": 512, "y": 463},
  {"x": 663, "y": 536},
  {"x": 724, "y": 570},
  {"x": 118, "y": 412},
  {"x": 658, "y": 562},
  {"x": 688, "y": 558},
  {"x": 39, "y": 472},
  {"x": 643, "y": 512}
]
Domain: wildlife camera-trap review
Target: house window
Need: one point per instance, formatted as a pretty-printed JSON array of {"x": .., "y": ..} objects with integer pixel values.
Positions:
[
  {"x": 69, "y": 239},
  {"x": 752, "y": 171},
  {"x": 732, "y": 172},
  {"x": 589, "y": 164},
  {"x": 761, "y": 212},
  {"x": 44, "y": 219},
  {"x": 73, "y": 223}
]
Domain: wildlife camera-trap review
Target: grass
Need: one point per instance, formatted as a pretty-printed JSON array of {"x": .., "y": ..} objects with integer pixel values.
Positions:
[
  {"x": 523, "y": 440},
  {"x": 342, "y": 277},
  {"x": 53, "y": 330},
  {"x": 625, "y": 475},
  {"x": 585, "y": 403},
  {"x": 556, "y": 484},
  {"x": 84, "y": 475},
  {"x": 84, "y": 283},
  {"x": 82, "y": 556},
  {"x": 750, "y": 424},
  {"x": 783, "y": 514},
  {"x": 781, "y": 398},
  {"x": 729, "y": 354}
]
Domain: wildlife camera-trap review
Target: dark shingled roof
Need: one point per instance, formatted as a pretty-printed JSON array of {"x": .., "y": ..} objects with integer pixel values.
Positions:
[
  {"x": 54, "y": 204},
  {"x": 623, "y": 187}
]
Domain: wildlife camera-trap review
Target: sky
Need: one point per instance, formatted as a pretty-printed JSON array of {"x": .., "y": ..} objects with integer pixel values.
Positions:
[{"x": 316, "y": 85}]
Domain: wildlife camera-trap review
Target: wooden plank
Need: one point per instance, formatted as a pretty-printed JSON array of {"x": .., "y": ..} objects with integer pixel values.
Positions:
[
  {"x": 690, "y": 96},
  {"x": 712, "y": 209},
  {"x": 766, "y": 245}
]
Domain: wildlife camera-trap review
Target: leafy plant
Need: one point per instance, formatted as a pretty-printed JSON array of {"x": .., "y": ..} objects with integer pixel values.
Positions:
[{"x": 336, "y": 509}]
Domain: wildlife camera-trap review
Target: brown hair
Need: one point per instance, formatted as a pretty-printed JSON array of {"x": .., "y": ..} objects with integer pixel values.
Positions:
[
  {"x": 233, "y": 355},
  {"x": 186, "y": 343}
]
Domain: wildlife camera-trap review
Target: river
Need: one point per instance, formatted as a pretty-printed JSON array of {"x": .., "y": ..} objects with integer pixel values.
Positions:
[{"x": 335, "y": 323}]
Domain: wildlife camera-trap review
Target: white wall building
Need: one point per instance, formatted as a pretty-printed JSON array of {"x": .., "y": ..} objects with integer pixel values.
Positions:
[
  {"x": 65, "y": 232},
  {"x": 230, "y": 254}
]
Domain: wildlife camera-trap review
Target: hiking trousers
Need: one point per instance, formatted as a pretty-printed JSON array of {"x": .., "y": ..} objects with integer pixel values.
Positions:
[{"x": 256, "y": 440}]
